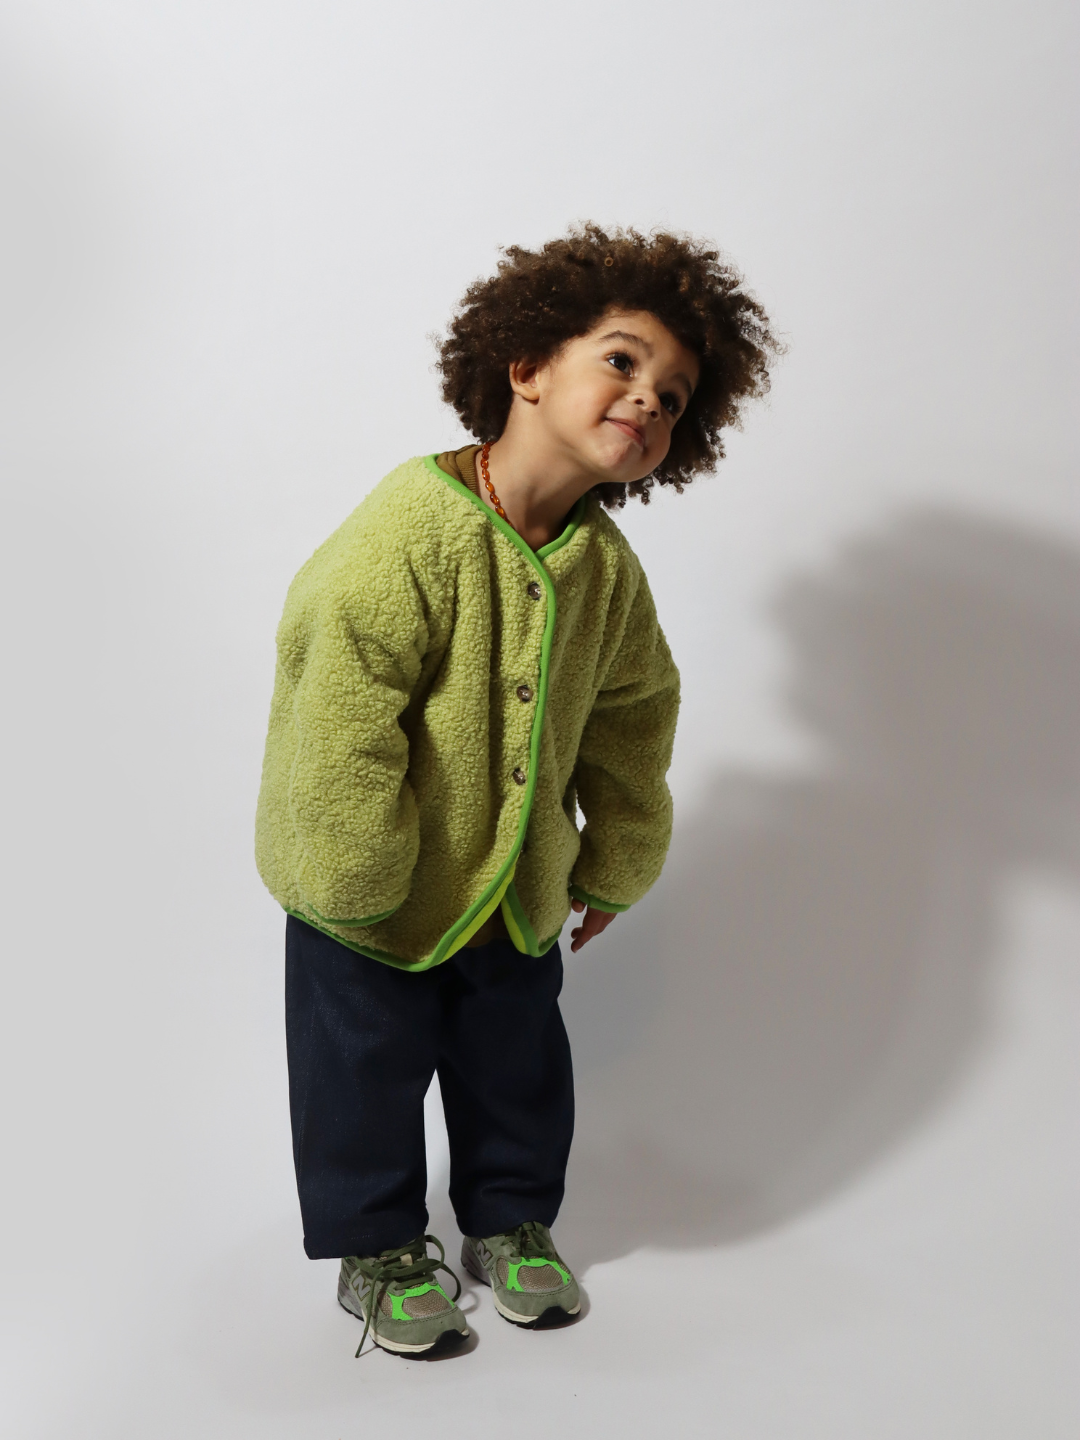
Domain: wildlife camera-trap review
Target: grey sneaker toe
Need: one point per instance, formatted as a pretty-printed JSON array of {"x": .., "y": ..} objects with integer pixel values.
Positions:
[
  {"x": 530, "y": 1283},
  {"x": 402, "y": 1305}
]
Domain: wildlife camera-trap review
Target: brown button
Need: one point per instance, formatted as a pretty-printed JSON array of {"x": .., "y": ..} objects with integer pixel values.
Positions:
[
  {"x": 518, "y": 774},
  {"x": 533, "y": 590},
  {"x": 524, "y": 694}
]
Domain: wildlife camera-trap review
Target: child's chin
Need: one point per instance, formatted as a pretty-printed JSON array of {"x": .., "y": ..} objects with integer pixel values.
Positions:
[{"x": 617, "y": 467}]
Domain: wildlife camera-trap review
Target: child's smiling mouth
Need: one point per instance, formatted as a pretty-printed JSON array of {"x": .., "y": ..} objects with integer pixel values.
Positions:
[{"x": 635, "y": 432}]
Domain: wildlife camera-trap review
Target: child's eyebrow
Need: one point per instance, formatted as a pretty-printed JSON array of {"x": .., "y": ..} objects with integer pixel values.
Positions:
[{"x": 625, "y": 335}]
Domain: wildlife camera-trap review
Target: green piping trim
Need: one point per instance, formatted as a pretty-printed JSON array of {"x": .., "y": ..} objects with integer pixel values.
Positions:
[
  {"x": 519, "y": 929},
  {"x": 368, "y": 950},
  {"x": 576, "y": 517},
  {"x": 517, "y": 923},
  {"x": 396, "y": 961},
  {"x": 369, "y": 920},
  {"x": 498, "y": 886},
  {"x": 608, "y": 906},
  {"x": 483, "y": 916}
]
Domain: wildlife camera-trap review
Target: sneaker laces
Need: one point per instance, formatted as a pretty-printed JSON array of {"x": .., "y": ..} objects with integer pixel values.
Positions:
[
  {"x": 400, "y": 1267},
  {"x": 530, "y": 1243}
]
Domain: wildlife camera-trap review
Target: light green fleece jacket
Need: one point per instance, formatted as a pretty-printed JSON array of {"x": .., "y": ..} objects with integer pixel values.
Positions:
[{"x": 446, "y": 698}]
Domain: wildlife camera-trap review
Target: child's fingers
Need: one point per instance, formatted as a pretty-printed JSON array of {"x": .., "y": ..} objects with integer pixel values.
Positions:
[{"x": 595, "y": 923}]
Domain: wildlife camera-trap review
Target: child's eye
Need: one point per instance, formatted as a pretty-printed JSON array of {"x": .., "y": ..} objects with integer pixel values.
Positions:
[
  {"x": 621, "y": 361},
  {"x": 671, "y": 404}
]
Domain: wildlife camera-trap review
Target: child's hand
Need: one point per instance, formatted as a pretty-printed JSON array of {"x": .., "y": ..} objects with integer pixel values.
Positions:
[{"x": 595, "y": 923}]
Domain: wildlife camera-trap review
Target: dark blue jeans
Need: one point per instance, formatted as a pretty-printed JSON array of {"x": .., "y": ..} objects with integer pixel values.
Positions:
[{"x": 364, "y": 1040}]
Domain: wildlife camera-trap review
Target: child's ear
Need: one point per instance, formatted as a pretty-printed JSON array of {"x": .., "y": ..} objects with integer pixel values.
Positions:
[{"x": 524, "y": 378}]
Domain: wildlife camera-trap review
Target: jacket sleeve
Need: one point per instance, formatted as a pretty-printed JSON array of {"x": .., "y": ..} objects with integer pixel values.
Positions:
[
  {"x": 622, "y": 762},
  {"x": 351, "y": 662}
]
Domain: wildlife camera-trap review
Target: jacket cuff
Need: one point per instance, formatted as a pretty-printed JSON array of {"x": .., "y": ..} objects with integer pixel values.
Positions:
[{"x": 609, "y": 906}]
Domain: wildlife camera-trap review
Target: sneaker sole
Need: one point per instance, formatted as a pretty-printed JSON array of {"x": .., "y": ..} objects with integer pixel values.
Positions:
[
  {"x": 553, "y": 1315},
  {"x": 446, "y": 1341}
]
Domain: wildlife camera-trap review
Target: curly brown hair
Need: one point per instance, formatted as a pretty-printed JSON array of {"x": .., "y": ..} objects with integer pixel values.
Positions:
[{"x": 539, "y": 299}]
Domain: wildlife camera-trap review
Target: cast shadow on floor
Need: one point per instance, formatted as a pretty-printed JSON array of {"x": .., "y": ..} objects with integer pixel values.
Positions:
[{"x": 809, "y": 977}]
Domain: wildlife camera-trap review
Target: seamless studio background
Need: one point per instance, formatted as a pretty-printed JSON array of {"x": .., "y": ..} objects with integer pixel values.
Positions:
[{"x": 825, "y": 1180}]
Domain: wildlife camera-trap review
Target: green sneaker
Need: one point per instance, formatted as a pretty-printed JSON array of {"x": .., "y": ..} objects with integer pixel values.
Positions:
[
  {"x": 529, "y": 1282},
  {"x": 411, "y": 1314}
]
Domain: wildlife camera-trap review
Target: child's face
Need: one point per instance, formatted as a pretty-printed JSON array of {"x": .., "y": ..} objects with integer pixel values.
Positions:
[{"x": 612, "y": 397}]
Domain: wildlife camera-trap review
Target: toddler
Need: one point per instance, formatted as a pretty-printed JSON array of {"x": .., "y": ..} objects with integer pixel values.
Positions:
[{"x": 469, "y": 661}]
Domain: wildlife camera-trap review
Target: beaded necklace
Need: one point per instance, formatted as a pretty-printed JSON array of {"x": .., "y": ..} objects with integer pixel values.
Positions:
[{"x": 495, "y": 501}]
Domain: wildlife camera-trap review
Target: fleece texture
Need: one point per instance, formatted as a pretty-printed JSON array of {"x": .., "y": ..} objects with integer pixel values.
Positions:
[{"x": 445, "y": 700}]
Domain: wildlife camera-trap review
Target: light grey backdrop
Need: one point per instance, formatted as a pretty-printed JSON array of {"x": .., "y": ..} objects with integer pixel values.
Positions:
[{"x": 825, "y": 1181}]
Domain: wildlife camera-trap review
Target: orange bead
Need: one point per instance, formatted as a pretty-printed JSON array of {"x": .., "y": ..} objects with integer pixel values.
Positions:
[{"x": 496, "y": 503}]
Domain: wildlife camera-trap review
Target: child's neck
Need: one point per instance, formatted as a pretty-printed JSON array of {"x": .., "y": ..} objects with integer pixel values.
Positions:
[{"x": 537, "y": 481}]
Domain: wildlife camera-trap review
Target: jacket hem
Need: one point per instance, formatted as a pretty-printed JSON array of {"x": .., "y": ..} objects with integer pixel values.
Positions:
[
  {"x": 520, "y": 931},
  {"x": 368, "y": 950}
]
